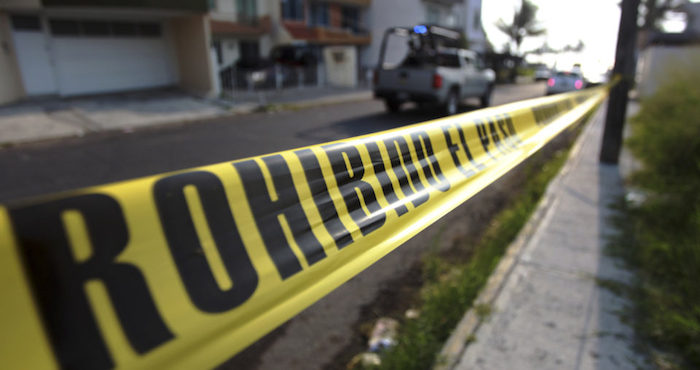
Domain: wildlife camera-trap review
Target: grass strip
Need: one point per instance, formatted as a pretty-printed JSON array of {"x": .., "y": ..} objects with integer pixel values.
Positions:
[
  {"x": 659, "y": 228},
  {"x": 451, "y": 287}
]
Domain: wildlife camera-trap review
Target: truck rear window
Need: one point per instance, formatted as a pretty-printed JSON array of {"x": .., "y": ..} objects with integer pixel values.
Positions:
[{"x": 409, "y": 51}]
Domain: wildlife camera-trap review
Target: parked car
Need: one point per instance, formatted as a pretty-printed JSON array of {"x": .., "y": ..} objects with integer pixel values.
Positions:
[
  {"x": 565, "y": 81},
  {"x": 429, "y": 72},
  {"x": 542, "y": 73}
]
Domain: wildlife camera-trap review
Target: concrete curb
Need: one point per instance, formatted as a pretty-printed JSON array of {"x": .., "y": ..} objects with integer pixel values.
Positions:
[
  {"x": 302, "y": 104},
  {"x": 464, "y": 332},
  {"x": 232, "y": 111}
]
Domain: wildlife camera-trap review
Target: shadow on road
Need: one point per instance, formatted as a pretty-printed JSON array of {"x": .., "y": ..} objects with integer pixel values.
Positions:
[{"x": 376, "y": 122}]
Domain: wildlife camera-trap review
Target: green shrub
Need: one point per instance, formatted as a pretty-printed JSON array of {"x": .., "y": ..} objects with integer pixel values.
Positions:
[{"x": 661, "y": 237}]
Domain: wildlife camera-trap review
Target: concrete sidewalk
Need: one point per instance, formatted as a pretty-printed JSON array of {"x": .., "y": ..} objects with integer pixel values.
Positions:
[
  {"x": 57, "y": 118},
  {"x": 549, "y": 309}
]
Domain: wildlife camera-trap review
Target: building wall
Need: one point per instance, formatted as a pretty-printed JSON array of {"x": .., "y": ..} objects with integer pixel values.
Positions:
[
  {"x": 383, "y": 14},
  {"x": 693, "y": 11},
  {"x": 341, "y": 65},
  {"x": 10, "y": 82},
  {"x": 472, "y": 25},
  {"x": 279, "y": 35},
  {"x": 20, "y": 4},
  {"x": 192, "y": 39},
  {"x": 658, "y": 63}
]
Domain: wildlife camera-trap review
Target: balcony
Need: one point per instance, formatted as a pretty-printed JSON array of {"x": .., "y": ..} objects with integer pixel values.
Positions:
[
  {"x": 199, "y": 6},
  {"x": 360, "y": 3},
  {"x": 326, "y": 36},
  {"x": 445, "y": 2},
  {"x": 241, "y": 25}
]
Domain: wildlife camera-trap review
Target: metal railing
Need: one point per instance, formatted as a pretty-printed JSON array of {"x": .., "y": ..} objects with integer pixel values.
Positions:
[{"x": 277, "y": 76}]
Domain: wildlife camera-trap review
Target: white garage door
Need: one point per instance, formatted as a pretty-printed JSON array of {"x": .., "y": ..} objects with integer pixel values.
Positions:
[{"x": 104, "y": 56}]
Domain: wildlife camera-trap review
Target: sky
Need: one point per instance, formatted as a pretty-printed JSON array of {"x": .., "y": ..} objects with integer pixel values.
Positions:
[{"x": 595, "y": 22}]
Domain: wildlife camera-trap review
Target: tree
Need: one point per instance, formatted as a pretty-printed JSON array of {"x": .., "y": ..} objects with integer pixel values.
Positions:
[
  {"x": 524, "y": 24},
  {"x": 625, "y": 64},
  {"x": 645, "y": 16},
  {"x": 652, "y": 12}
]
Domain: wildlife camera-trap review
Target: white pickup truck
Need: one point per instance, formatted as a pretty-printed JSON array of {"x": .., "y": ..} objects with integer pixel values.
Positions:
[{"x": 420, "y": 69}]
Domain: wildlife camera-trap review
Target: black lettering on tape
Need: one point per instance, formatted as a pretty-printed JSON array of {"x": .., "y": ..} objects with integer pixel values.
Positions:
[
  {"x": 266, "y": 212},
  {"x": 507, "y": 130},
  {"x": 395, "y": 158},
  {"x": 482, "y": 130},
  {"x": 383, "y": 177},
  {"x": 428, "y": 161},
  {"x": 59, "y": 280},
  {"x": 547, "y": 113},
  {"x": 453, "y": 148},
  {"x": 495, "y": 138},
  {"x": 463, "y": 140},
  {"x": 350, "y": 182},
  {"x": 186, "y": 249},
  {"x": 511, "y": 129},
  {"x": 322, "y": 199}
]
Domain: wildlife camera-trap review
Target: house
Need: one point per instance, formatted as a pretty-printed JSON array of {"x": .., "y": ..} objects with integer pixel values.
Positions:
[
  {"x": 473, "y": 28},
  {"x": 332, "y": 30},
  {"x": 662, "y": 54},
  {"x": 74, "y": 47}
]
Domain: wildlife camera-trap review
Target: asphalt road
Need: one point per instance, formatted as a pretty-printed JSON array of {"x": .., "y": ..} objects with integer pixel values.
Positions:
[{"x": 41, "y": 168}]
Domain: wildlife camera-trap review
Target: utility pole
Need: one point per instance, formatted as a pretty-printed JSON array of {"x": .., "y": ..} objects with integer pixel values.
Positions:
[{"x": 625, "y": 63}]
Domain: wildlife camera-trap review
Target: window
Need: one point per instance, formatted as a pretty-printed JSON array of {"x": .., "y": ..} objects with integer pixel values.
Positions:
[
  {"x": 124, "y": 29},
  {"x": 64, "y": 27},
  {"x": 93, "y": 28},
  {"x": 448, "y": 60},
  {"x": 432, "y": 15},
  {"x": 468, "y": 61},
  {"x": 293, "y": 10},
  {"x": 351, "y": 19},
  {"x": 319, "y": 14},
  {"x": 149, "y": 29},
  {"x": 26, "y": 23},
  {"x": 247, "y": 10}
]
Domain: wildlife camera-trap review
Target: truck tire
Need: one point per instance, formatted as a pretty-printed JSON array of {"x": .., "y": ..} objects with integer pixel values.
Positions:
[
  {"x": 392, "y": 105},
  {"x": 486, "y": 98},
  {"x": 452, "y": 102}
]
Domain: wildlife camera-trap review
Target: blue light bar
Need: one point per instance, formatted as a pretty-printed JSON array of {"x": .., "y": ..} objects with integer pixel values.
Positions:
[{"x": 420, "y": 29}]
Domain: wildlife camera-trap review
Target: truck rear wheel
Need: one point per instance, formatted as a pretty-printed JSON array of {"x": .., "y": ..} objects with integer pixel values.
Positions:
[
  {"x": 452, "y": 102},
  {"x": 486, "y": 98},
  {"x": 392, "y": 105}
]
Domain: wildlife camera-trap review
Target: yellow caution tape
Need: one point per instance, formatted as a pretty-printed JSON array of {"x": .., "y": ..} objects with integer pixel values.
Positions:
[{"x": 184, "y": 269}]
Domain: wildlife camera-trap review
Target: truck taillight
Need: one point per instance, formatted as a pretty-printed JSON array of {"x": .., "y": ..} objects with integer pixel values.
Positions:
[{"x": 437, "y": 81}]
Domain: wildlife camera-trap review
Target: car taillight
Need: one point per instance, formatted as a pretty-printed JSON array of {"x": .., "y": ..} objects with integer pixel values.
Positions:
[
  {"x": 551, "y": 82},
  {"x": 578, "y": 84},
  {"x": 375, "y": 77},
  {"x": 437, "y": 81}
]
